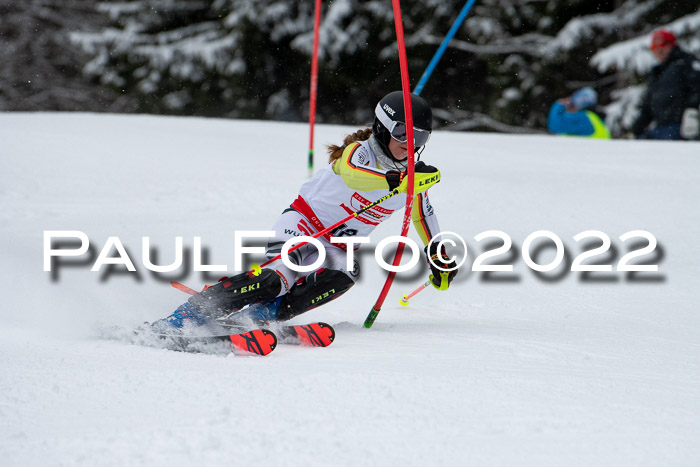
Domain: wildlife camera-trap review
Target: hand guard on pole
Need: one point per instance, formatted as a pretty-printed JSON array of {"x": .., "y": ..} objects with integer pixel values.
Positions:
[
  {"x": 425, "y": 176},
  {"x": 440, "y": 279}
]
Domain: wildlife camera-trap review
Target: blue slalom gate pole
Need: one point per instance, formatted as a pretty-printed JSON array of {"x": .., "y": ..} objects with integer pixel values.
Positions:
[{"x": 438, "y": 55}]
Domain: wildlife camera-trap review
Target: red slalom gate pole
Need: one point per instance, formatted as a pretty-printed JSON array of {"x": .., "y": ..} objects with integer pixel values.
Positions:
[
  {"x": 314, "y": 86},
  {"x": 408, "y": 111}
]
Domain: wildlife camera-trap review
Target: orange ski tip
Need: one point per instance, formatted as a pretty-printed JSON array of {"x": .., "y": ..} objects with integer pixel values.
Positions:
[
  {"x": 316, "y": 334},
  {"x": 257, "y": 342}
]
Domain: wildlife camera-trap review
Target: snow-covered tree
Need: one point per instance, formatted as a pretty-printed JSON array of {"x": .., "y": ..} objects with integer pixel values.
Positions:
[
  {"x": 250, "y": 58},
  {"x": 223, "y": 57},
  {"x": 41, "y": 69}
]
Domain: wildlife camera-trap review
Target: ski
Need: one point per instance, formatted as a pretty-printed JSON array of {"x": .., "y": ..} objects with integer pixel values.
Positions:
[
  {"x": 256, "y": 341},
  {"x": 310, "y": 335},
  {"x": 315, "y": 334}
]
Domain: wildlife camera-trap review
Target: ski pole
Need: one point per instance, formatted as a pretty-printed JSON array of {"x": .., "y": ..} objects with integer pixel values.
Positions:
[
  {"x": 183, "y": 287},
  {"x": 256, "y": 269},
  {"x": 404, "y": 300}
]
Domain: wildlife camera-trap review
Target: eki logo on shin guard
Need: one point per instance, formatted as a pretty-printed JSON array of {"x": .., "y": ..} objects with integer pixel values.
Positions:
[
  {"x": 249, "y": 288},
  {"x": 243, "y": 289},
  {"x": 323, "y": 296}
]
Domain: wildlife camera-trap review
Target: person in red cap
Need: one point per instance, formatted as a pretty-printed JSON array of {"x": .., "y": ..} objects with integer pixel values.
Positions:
[{"x": 673, "y": 90}]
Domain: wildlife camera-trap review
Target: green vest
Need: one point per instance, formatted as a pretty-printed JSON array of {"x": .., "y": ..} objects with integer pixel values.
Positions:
[{"x": 599, "y": 129}]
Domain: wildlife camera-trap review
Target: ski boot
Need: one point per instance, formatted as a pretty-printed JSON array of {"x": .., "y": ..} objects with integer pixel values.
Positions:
[
  {"x": 185, "y": 315},
  {"x": 257, "y": 314}
]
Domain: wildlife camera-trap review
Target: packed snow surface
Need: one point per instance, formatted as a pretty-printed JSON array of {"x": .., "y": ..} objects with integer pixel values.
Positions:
[{"x": 506, "y": 368}]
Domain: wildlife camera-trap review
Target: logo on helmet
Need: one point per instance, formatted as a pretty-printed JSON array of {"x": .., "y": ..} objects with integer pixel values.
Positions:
[{"x": 389, "y": 110}]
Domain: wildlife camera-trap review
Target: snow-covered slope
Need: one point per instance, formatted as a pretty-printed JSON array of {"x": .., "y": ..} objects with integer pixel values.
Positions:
[{"x": 560, "y": 368}]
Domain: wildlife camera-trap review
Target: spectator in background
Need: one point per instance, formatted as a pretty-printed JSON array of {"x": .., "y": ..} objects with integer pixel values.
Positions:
[
  {"x": 574, "y": 115},
  {"x": 673, "y": 86}
]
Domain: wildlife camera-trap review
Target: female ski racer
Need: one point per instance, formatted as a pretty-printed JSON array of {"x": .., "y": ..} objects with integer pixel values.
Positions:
[{"x": 370, "y": 162}]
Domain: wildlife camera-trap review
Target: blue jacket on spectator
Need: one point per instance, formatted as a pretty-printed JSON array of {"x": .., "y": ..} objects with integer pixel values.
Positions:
[{"x": 576, "y": 119}]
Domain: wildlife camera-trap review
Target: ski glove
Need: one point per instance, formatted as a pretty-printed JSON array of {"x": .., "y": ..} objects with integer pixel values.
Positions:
[
  {"x": 424, "y": 177},
  {"x": 440, "y": 279},
  {"x": 690, "y": 125}
]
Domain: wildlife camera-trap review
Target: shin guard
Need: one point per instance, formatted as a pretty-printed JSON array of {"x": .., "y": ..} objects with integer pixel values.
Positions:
[
  {"x": 314, "y": 290},
  {"x": 236, "y": 292}
]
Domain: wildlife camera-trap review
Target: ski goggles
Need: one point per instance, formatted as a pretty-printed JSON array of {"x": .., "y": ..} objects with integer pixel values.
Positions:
[
  {"x": 398, "y": 129},
  {"x": 398, "y": 132}
]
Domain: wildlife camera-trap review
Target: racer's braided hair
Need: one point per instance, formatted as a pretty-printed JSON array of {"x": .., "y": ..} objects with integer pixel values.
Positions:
[{"x": 336, "y": 152}]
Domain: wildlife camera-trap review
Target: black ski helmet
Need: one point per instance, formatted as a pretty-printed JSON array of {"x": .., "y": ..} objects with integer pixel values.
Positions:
[{"x": 390, "y": 110}]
